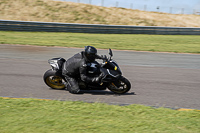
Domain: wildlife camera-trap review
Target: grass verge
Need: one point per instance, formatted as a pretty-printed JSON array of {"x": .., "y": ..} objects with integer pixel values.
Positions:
[
  {"x": 31, "y": 115},
  {"x": 155, "y": 43}
]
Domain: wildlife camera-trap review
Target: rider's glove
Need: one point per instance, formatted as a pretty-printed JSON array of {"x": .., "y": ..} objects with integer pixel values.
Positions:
[
  {"x": 98, "y": 79},
  {"x": 103, "y": 57}
]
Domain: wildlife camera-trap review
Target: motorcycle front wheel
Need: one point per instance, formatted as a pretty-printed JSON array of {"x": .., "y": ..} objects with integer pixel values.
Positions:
[
  {"x": 54, "y": 80},
  {"x": 121, "y": 86}
]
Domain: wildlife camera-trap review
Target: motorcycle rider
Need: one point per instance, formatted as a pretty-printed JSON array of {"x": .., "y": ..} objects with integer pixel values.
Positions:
[{"x": 76, "y": 66}]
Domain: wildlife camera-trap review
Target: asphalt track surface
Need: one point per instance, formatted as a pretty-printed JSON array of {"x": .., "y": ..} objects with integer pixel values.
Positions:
[{"x": 158, "y": 79}]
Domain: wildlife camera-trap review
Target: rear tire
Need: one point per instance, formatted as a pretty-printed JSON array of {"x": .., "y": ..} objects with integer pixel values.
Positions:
[
  {"x": 54, "y": 80},
  {"x": 121, "y": 86}
]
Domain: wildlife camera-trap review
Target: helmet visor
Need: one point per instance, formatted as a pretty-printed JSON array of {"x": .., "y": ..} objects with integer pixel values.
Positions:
[{"x": 91, "y": 56}]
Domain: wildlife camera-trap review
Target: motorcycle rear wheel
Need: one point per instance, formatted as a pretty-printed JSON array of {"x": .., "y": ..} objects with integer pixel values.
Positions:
[
  {"x": 121, "y": 86},
  {"x": 54, "y": 80}
]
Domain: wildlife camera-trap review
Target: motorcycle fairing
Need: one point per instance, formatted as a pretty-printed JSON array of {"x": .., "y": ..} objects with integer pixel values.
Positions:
[
  {"x": 112, "y": 65},
  {"x": 110, "y": 75},
  {"x": 113, "y": 73},
  {"x": 93, "y": 68},
  {"x": 56, "y": 63}
]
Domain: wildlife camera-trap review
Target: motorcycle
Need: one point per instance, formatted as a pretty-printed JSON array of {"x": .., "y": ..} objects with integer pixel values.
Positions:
[{"x": 112, "y": 76}]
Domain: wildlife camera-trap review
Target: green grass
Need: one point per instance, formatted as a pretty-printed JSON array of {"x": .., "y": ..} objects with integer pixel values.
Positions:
[
  {"x": 155, "y": 43},
  {"x": 39, "y": 116}
]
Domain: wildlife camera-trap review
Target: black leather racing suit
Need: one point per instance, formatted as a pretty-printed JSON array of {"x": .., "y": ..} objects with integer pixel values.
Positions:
[{"x": 75, "y": 67}]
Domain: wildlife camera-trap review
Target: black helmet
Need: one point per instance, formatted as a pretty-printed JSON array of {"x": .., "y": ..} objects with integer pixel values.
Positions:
[{"x": 90, "y": 53}]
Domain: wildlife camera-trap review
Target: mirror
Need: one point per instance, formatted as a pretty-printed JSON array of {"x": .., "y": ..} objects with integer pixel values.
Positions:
[{"x": 110, "y": 52}]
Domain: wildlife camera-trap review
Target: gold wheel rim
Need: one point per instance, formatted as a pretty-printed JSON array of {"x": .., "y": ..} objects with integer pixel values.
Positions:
[
  {"x": 55, "y": 82},
  {"x": 121, "y": 88}
]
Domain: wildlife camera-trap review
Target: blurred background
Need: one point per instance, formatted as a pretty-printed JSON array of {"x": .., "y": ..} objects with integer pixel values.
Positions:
[
  {"x": 166, "y": 6},
  {"x": 170, "y": 13}
]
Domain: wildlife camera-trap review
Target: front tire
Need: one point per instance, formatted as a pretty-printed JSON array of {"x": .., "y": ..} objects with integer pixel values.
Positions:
[
  {"x": 54, "y": 80},
  {"x": 121, "y": 86}
]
